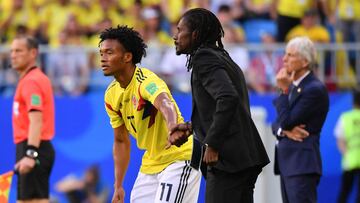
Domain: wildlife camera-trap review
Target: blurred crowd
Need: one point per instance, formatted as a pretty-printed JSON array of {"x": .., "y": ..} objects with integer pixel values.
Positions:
[{"x": 69, "y": 30}]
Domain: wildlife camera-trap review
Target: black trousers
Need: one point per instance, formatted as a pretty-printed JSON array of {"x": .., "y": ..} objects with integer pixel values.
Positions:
[
  {"x": 347, "y": 182},
  {"x": 227, "y": 187}
]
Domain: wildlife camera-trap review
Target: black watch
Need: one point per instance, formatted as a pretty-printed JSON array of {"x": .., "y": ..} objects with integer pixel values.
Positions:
[{"x": 32, "y": 153}]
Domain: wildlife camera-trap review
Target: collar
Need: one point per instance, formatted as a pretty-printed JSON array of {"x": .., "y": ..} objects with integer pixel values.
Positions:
[
  {"x": 133, "y": 78},
  {"x": 297, "y": 82},
  {"x": 28, "y": 71}
]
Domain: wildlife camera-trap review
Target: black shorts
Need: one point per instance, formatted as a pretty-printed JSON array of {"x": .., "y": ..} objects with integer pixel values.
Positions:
[{"x": 35, "y": 184}]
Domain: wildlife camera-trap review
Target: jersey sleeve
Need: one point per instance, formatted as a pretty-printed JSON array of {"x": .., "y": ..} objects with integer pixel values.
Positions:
[
  {"x": 114, "y": 114},
  {"x": 33, "y": 96},
  {"x": 339, "y": 128},
  {"x": 152, "y": 87}
]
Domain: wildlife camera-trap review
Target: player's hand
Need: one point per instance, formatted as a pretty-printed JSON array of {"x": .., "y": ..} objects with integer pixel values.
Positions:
[
  {"x": 119, "y": 195},
  {"x": 211, "y": 156},
  {"x": 178, "y": 138},
  {"x": 298, "y": 133},
  {"x": 186, "y": 127},
  {"x": 25, "y": 165},
  {"x": 179, "y": 134}
]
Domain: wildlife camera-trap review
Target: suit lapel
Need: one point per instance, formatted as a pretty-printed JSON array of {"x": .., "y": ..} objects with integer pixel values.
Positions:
[{"x": 299, "y": 89}]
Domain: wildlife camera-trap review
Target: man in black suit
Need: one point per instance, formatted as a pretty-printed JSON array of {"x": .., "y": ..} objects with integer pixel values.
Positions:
[
  {"x": 302, "y": 108},
  {"x": 221, "y": 120}
]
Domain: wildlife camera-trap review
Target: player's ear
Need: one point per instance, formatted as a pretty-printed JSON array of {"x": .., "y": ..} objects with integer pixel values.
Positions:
[
  {"x": 34, "y": 53},
  {"x": 128, "y": 57}
]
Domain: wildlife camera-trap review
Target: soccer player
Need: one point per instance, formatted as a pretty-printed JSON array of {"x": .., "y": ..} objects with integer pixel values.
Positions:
[
  {"x": 33, "y": 123},
  {"x": 139, "y": 102}
]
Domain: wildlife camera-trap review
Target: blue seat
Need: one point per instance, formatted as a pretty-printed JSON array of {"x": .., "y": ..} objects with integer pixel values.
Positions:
[{"x": 255, "y": 28}]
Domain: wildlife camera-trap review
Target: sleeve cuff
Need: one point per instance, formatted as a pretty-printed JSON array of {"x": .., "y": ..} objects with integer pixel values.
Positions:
[{"x": 279, "y": 133}]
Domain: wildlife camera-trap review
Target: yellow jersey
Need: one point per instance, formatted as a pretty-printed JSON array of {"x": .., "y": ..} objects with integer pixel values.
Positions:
[
  {"x": 349, "y": 9},
  {"x": 293, "y": 8},
  {"x": 133, "y": 107},
  {"x": 317, "y": 33}
]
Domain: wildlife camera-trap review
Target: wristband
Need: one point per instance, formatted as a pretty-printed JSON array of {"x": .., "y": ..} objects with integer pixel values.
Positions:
[{"x": 32, "y": 152}]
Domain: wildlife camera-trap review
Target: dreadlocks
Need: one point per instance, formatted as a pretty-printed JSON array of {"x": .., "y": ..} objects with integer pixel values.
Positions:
[
  {"x": 207, "y": 27},
  {"x": 129, "y": 39}
]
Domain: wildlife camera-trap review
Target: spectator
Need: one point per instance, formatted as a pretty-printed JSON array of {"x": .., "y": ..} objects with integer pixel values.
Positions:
[
  {"x": 264, "y": 65},
  {"x": 216, "y": 4},
  {"x": 311, "y": 28},
  {"x": 88, "y": 189},
  {"x": 18, "y": 17},
  {"x": 348, "y": 19},
  {"x": 8, "y": 77},
  {"x": 55, "y": 16},
  {"x": 68, "y": 67},
  {"x": 239, "y": 54},
  {"x": 226, "y": 18},
  {"x": 173, "y": 9},
  {"x": 154, "y": 37},
  {"x": 288, "y": 14},
  {"x": 257, "y": 9},
  {"x": 173, "y": 69}
]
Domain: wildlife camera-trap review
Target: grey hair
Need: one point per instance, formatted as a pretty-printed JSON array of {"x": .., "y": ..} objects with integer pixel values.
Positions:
[{"x": 306, "y": 49}]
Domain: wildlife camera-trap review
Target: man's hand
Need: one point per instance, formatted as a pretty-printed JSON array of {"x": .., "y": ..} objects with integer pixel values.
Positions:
[
  {"x": 119, "y": 195},
  {"x": 211, "y": 156},
  {"x": 179, "y": 134},
  {"x": 284, "y": 79},
  {"x": 187, "y": 127},
  {"x": 298, "y": 133},
  {"x": 25, "y": 165}
]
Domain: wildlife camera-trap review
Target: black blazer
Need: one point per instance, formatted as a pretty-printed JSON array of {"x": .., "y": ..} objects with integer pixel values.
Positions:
[
  {"x": 309, "y": 105},
  {"x": 221, "y": 114}
]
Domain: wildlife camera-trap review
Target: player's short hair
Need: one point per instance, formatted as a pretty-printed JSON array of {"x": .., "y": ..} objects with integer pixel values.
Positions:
[{"x": 129, "y": 38}]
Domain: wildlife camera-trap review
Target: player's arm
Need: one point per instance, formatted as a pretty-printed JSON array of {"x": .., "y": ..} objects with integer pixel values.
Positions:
[
  {"x": 121, "y": 154},
  {"x": 167, "y": 108}
]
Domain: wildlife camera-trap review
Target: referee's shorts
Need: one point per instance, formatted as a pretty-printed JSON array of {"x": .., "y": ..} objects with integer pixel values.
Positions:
[{"x": 35, "y": 184}]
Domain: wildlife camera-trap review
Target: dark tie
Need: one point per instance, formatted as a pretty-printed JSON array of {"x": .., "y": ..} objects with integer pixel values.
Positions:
[{"x": 291, "y": 91}]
